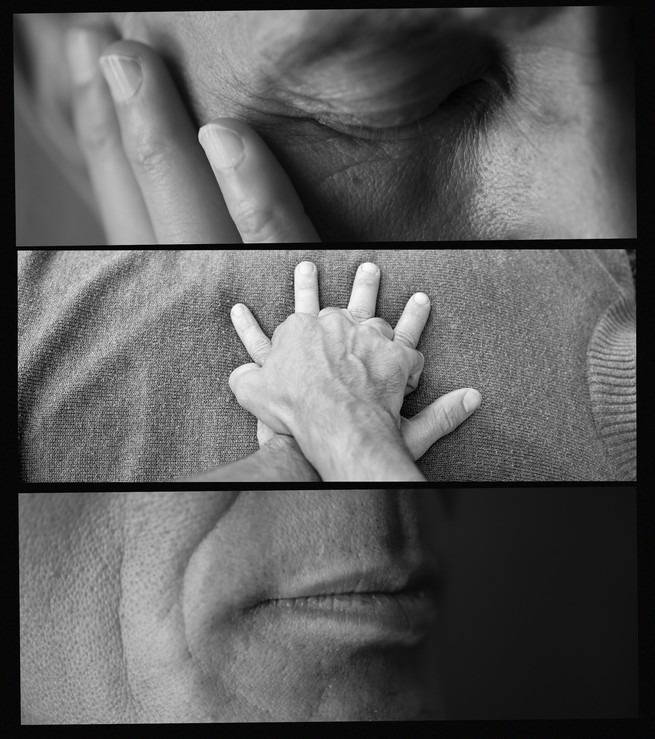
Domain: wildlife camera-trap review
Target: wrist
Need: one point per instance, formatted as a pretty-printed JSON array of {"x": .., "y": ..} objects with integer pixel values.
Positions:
[
  {"x": 279, "y": 460},
  {"x": 287, "y": 461},
  {"x": 358, "y": 446}
]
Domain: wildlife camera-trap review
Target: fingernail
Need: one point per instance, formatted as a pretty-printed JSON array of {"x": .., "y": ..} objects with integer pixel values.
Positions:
[
  {"x": 305, "y": 268},
  {"x": 370, "y": 267},
  {"x": 471, "y": 400},
  {"x": 421, "y": 299},
  {"x": 123, "y": 75},
  {"x": 82, "y": 51},
  {"x": 237, "y": 310},
  {"x": 223, "y": 146}
]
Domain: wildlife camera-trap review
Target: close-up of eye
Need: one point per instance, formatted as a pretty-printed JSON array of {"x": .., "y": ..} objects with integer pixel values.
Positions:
[
  {"x": 413, "y": 86},
  {"x": 510, "y": 122},
  {"x": 466, "y": 107}
]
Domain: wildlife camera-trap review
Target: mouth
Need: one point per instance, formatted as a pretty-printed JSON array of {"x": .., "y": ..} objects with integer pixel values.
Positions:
[{"x": 374, "y": 607}]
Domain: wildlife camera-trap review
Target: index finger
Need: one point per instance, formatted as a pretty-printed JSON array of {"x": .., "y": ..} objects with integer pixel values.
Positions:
[
  {"x": 256, "y": 342},
  {"x": 258, "y": 193},
  {"x": 412, "y": 322},
  {"x": 122, "y": 209},
  {"x": 305, "y": 287},
  {"x": 161, "y": 145}
]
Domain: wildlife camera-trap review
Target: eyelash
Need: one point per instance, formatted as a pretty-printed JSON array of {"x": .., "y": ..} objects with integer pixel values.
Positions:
[{"x": 470, "y": 104}]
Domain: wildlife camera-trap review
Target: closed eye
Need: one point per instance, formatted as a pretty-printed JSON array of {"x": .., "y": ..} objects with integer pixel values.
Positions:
[{"x": 467, "y": 106}]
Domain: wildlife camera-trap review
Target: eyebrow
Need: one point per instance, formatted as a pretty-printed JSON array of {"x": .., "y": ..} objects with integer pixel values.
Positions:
[
  {"x": 328, "y": 35},
  {"x": 357, "y": 33}
]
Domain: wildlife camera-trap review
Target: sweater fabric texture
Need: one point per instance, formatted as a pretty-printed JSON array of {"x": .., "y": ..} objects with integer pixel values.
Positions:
[{"x": 124, "y": 357}]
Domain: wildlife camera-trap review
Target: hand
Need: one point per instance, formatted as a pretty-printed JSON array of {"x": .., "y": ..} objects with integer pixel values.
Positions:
[
  {"x": 433, "y": 422},
  {"x": 361, "y": 307},
  {"x": 153, "y": 181}
]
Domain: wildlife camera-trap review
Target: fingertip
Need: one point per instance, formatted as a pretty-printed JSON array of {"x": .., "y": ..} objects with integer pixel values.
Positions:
[
  {"x": 238, "y": 310},
  {"x": 421, "y": 299},
  {"x": 83, "y": 49},
  {"x": 419, "y": 362},
  {"x": 305, "y": 268},
  {"x": 471, "y": 400},
  {"x": 224, "y": 147},
  {"x": 370, "y": 268},
  {"x": 258, "y": 193},
  {"x": 237, "y": 375}
]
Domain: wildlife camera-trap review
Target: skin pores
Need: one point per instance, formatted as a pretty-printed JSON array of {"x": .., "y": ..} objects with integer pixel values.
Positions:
[
  {"x": 542, "y": 147},
  {"x": 157, "y": 606}
]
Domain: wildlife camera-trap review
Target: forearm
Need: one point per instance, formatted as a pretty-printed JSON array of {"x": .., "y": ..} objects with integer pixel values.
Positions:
[
  {"x": 364, "y": 448},
  {"x": 280, "y": 460}
]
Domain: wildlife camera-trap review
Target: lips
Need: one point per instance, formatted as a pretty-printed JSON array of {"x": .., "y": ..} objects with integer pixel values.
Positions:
[{"x": 380, "y": 605}]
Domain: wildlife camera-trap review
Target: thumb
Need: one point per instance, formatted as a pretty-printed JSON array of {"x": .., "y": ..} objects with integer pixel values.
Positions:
[
  {"x": 438, "y": 419},
  {"x": 242, "y": 379},
  {"x": 248, "y": 385}
]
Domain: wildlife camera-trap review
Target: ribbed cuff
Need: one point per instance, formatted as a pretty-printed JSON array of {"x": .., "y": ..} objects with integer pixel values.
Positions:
[{"x": 612, "y": 377}]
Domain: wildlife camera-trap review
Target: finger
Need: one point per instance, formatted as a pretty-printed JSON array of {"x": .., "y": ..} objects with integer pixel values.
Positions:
[
  {"x": 331, "y": 309},
  {"x": 381, "y": 325},
  {"x": 364, "y": 294},
  {"x": 252, "y": 337},
  {"x": 415, "y": 376},
  {"x": 260, "y": 197},
  {"x": 122, "y": 209},
  {"x": 412, "y": 322},
  {"x": 438, "y": 419},
  {"x": 305, "y": 285},
  {"x": 242, "y": 378},
  {"x": 245, "y": 384},
  {"x": 160, "y": 142},
  {"x": 413, "y": 359},
  {"x": 264, "y": 433}
]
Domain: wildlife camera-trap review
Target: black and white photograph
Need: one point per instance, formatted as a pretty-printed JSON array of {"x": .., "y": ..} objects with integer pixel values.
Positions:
[
  {"x": 329, "y": 605},
  {"x": 343, "y": 484},
  {"x": 223, "y": 127},
  {"x": 449, "y": 365}
]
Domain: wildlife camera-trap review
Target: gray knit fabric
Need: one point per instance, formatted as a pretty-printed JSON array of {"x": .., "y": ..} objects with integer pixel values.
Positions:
[
  {"x": 612, "y": 372},
  {"x": 124, "y": 357}
]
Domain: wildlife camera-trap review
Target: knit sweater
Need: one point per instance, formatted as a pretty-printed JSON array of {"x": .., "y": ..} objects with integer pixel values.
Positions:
[{"x": 124, "y": 357}]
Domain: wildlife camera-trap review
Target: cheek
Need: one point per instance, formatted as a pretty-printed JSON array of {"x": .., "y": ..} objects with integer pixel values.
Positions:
[
  {"x": 551, "y": 165},
  {"x": 363, "y": 191}
]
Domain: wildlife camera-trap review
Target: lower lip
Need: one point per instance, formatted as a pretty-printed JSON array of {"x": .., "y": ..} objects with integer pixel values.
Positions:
[{"x": 393, "y": 618}]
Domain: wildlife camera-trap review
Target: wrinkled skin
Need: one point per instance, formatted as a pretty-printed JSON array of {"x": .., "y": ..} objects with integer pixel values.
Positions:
[
  {"x": 133, "y": 606},
  {"x": 514, "y": 122},
  {"x": 543, "y": 148}
]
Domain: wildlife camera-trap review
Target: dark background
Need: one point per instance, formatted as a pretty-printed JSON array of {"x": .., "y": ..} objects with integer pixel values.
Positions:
[{"x": 540, "y": 605}]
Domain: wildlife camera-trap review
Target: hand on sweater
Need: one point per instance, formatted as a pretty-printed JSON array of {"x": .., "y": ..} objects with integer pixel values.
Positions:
[{"x": 375, "y": 368}]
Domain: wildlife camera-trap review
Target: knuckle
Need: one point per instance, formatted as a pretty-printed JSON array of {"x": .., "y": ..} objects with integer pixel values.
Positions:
[
  {"x": 404, "y": 337},
  {"x": 360, "y": 311},
  {"x": 366, "y": 280},
  {"x": 258, "y": 349},
  {"x": 306, "y": 285},
  {"x": 148, "y": 151},
  {"x": 334, "y": 315},
  {"x": 255, "y": 225},
  {"x": 449, "y": 418},
  {"x": 97, "y": 136}
]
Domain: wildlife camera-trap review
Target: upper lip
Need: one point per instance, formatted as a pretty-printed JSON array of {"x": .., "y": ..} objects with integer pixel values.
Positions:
[{"x": 380, "y": 578}]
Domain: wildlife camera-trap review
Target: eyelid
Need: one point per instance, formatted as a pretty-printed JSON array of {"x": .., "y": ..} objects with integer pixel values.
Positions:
[{"x": 467, "y": 104}]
